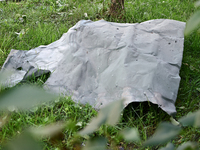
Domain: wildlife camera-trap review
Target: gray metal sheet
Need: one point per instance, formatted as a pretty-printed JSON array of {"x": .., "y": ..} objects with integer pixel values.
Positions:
[{"x": 100, "y": 62}]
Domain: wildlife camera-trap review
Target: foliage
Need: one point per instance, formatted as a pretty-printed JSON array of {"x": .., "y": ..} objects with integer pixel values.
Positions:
[
  {"x": 108, "y": 115},
  {"x": 194, "y": 21}
]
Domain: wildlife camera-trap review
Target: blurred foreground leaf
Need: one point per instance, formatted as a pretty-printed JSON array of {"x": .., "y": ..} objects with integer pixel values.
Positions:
[
  {"x": 169, "y": 146},
  {"x": 3, "y": 120},
  {"x": 96, "y": 144},
  {"x": 48, "y": 131},
  {"x": 163, "y": 134},
  {"x": 23, "y": 142},
  {"x": 110, "y": 115},
  {"x": 130, "y": 134},
  {"x": 197, "y": 119},
  {"x": 193, "y": 23},
  {"x": 192, "y": 119},
  {"x": 54, "y": 132},
  {"x": 3, "y": 77},
  {"x": 188, "y": 146},
  {"x": 24, "y": 97},
  {"x": 197, "y": 4}
]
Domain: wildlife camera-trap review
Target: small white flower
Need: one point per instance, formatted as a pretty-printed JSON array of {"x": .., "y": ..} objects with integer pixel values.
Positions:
[
  {"x": 46, "y": 119},
  {"x": 85, "y": 14},
  {"x": 34, "y": 109},
  {"x": 79, "y": 124},
  {"x": 57, "y": 100},
  {"x": 11, "y": 108}
]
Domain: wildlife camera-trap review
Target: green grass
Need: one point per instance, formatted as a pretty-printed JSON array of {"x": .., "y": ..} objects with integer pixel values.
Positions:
[
  {"x": 63, "y": 110},
  {"x": 46, "y": 21}
]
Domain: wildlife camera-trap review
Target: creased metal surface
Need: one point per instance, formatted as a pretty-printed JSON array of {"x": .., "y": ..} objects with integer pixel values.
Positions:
[{"x": 99, "y": 62}]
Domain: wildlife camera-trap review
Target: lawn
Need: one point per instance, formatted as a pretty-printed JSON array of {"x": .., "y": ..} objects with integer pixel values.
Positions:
[{"x": 31, "y": 23}]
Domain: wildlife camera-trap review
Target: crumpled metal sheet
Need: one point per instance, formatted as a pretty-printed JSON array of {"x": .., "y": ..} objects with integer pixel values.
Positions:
[{"x": 100, "y": 62}]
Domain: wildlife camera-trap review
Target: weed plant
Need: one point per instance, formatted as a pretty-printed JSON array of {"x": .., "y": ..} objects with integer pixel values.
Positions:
[{"x": 30, "y": 23}]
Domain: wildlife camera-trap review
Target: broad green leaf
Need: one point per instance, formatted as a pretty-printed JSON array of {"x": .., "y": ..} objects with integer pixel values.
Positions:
[
  {"x": 193, "y": 23},
  {"x": 96, "y": 144},
  {"x": 131, "y": 134},
  {"x": 47, "y": 131},
  {"x": 93, "y": 125},
  {"x": 163, "y": 134},
  {"x": 24, "y": 97},
  {"x": 197, "y": 119},
  {"x": 191, "y": 119},
  {"x": 3, "y": 120},
  {"x": 114, "y": 112},
  {"x": 3, "y": 77},
  {"x": 23, "y": 142},
  {"x": 169, "y": 146},
  {"x": 197, "y": 4},
  {"x": 188, "y": 120},
  {"x": 188, "y": 146},
  {"x": 198, "y": 89},
  {"x": 110, "y": 114}
]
